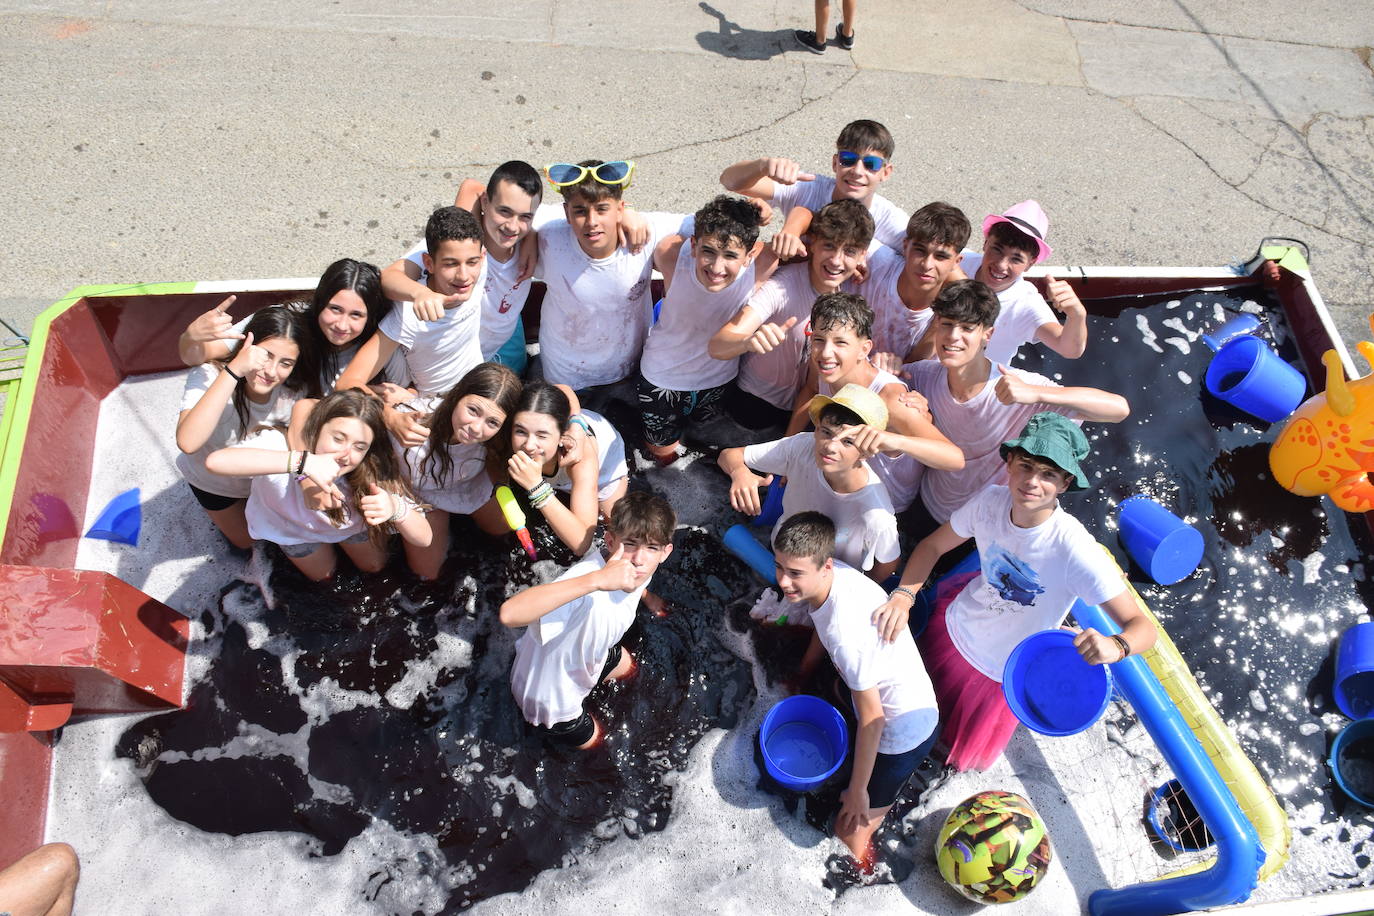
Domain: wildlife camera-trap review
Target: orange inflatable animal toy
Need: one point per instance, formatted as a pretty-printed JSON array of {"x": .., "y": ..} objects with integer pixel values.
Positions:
[{"x": 1328, "y": 444}]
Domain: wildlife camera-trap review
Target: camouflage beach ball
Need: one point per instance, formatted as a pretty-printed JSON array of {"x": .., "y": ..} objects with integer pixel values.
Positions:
[{"x": 993, "y": 848}]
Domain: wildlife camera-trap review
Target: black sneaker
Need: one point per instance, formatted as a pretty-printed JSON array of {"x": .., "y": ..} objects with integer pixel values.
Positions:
[
  {"x": 807, "y": 39},
  {"x": 843, "y": 40}
]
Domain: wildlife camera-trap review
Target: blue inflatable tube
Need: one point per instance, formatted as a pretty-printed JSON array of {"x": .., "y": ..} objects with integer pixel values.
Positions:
[
  {"x": 1235, "y": 872},
  {"x": 742, "y": 543}
]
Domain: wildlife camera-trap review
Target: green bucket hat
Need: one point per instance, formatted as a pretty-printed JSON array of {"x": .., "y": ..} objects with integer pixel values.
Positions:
[{"x": 1056, "y": 439}]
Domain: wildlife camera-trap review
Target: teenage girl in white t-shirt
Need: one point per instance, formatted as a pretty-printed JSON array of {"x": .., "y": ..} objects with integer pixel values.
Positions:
[
  {"x": 364, "y": 490},
  {"x": 343, "y": 312},
  {"x": 256, "y": 385},
  {"x": 545, "y": 458},
  {"x": 449, "y": 469}
]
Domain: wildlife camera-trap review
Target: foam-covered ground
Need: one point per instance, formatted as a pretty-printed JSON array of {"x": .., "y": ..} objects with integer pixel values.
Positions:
[{"x": 717, "y": 840}]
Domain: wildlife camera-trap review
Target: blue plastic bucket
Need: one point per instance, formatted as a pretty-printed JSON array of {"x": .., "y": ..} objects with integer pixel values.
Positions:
[
  {"x": 1354, "y": 685},
  {"x": 1248, "y": 374},
  {"x": 1161, "y": 543},
  {"x": 1231, "y": 329},
  {"x": 1051, "y": 689},
  {"x": 1352, "y": 761},
  {"x": 742, "y": 543},
  {"x": 771, "y": 510},
  {"x": 804, "y": 741}
]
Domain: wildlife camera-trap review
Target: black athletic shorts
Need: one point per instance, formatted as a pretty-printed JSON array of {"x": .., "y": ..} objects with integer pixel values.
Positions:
[
  {"x": 577, "y": 732},
  {"x": 213, "y": 502}
]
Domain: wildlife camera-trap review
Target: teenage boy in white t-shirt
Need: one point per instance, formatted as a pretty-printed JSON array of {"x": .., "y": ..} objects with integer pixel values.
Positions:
[
  {"x": 862, "y": 162},
  {"x": 769, "y": 331},
  {"x": 438, "y": 352},
  {"x": 1036, "y": 559},
  {"x": 825, "y": 470},
  {"x": 894, "y": 702},
  {"x": 505, "y": 209},
  {"x": 707, "y": 278},
  {"x": 901, "y": 288},
  {"x": 596, "y": 309},
  {"x": 841, "y": 326},
  {"x": 574, "y": 624},
  {"x": 978, "y": 403},
  {"x": 1012, "y": 242}
]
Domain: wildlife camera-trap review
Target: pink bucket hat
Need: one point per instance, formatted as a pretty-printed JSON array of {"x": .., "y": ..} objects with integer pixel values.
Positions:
[{"x": 1028, "y": 218}]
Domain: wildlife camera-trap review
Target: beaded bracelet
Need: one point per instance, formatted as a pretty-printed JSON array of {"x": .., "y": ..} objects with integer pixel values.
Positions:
[
  {"x": 400, "y": 508},
  {"x": 540, "y": 494},
  {"x": 903, "y": 590}
]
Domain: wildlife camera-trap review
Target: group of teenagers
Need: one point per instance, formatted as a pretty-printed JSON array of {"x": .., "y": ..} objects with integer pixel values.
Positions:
[{"x": 864, "y": 352}]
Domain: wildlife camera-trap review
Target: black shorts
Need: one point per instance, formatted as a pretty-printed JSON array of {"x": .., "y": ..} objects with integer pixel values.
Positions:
[
  {"x": 752, "y": 411},
  {"x": 577, "y": 732},
  {"x": 891, "y": 771},
  {"x": 665, "y": 411},
  {"x": 213, "y": 502}
]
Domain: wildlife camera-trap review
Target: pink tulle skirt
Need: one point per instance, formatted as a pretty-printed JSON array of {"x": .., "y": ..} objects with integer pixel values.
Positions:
[{"x": 975, "y": 721}]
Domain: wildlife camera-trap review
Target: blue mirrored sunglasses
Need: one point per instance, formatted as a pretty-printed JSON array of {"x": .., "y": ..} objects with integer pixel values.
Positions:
[
  {"x": 563, "y": 174},
  {"x": 849, "y": 159}
]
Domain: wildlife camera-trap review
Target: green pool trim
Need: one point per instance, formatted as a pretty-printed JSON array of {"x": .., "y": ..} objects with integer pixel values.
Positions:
[{"x": 14, "y": 423}]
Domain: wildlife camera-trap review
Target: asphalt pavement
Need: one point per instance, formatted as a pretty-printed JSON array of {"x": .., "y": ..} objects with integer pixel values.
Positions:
[{"x": 183, "y": 140}]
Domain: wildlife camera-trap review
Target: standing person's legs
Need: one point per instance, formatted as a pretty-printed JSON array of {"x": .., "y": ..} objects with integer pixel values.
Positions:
[
  {"x": 822, "y": 20},
  {"x": 42, "y": 883},
  {"x": 845, "y": 30}
]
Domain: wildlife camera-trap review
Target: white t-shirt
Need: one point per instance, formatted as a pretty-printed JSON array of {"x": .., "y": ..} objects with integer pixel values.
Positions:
[
  {"x": 276, "y": 507},
  {"x": 502, "y": 299},
  {"x": 978, "y": 426},
  {"x": 610, "y": 453},
  {"x": 675, "y": 354},
  {"x": 865, "y": 526},
  {"x": 777, "y": 375},
  {"x": 438, "y": 353},
  {"x": 1029, "y": 580},
  {"x": 889, "y": 220},
  {"x": 559, "y": 658},
  {"x": 277, "y": 411},
  {"x": 865, "y": 660},
  {"x": 467, "y": 486},
  {"x": 596, "y": 311},
  {"x": 1023, "y": 311},
  {"x": 896, "y": 328},
  {"x": 900, "y": 474}
]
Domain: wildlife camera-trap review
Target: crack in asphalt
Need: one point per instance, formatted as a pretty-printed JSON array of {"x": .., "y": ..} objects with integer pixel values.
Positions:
[
  {"x": 1237, "y": 185},
  {"x": 1199, "y": 30}
]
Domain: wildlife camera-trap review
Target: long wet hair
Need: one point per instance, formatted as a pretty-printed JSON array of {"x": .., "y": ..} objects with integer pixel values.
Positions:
[
  {"x": 285, "y": 322},
  {"x": 380, "y": 465},
  {"x": 492, "y": 381},
  {"x": 537, "y": 397},
  {"x": 360, "y": 277}
]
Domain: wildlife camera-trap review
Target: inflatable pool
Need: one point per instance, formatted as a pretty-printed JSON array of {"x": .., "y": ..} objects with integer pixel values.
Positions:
[{"x": 130, "y": 648}]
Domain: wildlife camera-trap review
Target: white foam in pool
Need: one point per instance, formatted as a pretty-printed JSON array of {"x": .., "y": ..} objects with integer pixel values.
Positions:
[{"x": 727, "y": 846}]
